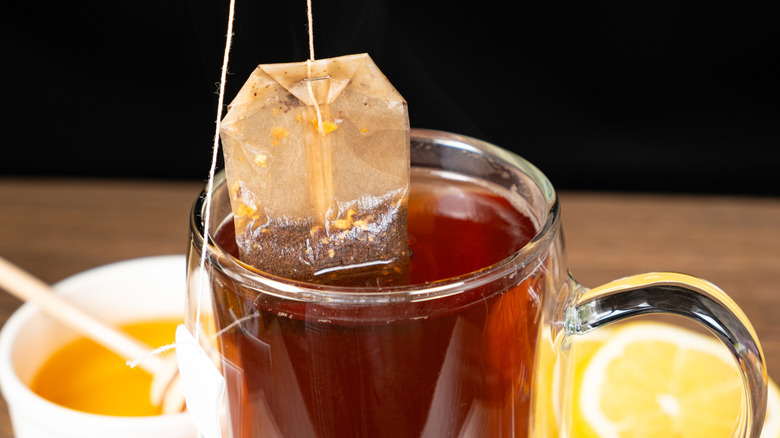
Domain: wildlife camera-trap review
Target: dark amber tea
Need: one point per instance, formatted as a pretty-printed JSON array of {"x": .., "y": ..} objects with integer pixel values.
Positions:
[
  {"x": 475, "y": 342},
  {"x": 458, "y": 365}
]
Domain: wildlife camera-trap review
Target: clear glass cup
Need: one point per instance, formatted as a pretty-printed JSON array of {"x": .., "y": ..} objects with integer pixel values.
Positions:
[{"x": 458, "y": 357}]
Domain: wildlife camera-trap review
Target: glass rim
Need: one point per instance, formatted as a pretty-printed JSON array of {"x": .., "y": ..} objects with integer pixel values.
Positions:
[{"x": 308, "y": 291}]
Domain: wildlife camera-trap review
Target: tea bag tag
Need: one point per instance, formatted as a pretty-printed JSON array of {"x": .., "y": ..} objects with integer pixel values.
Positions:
[{"x": 202, "y": 383}]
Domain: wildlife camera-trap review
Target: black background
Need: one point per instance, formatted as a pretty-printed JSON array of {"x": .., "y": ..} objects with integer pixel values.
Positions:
[{"x": 658, "y": 96}]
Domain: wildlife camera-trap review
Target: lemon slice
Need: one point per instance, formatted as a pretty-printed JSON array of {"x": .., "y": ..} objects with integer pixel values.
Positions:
[
  {"x": 584, "y": 347},
  {"x": 653, "y": 379},
  {"x": 550, "y": 393}
]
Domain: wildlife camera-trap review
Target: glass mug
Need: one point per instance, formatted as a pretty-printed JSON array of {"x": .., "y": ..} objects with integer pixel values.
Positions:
[{"x": 457, "y": 357}]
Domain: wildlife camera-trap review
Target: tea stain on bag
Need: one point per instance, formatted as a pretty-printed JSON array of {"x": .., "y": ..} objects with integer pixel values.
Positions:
[{"x": 317, "y": 162}]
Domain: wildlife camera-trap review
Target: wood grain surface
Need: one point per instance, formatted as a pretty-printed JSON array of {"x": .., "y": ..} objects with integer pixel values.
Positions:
[{"x": 55, "y": 228}]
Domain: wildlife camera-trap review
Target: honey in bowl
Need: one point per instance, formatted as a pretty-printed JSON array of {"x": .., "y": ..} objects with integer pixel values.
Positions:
[{"x": 87, "y": 377}]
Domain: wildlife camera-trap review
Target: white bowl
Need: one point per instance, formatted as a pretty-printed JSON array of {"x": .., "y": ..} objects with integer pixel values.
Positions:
[{"x": 152, "y": 287}]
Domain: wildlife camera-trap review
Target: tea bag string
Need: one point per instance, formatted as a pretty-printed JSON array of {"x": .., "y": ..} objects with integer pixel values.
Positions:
[
  {"x": 319, "y": 158},
  {"x": 310, "y": 17},
  {"x": 215, "y": 146},
  {"x": 212, "y": 169},
  {"x": 309, "y": 87}
]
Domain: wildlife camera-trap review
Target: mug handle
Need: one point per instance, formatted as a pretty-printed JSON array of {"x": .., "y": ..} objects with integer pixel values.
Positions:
[{"x": 694, "y": 299}]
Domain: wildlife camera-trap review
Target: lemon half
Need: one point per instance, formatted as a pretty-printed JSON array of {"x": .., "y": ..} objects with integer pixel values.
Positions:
[{"x": 650, "y": 379}]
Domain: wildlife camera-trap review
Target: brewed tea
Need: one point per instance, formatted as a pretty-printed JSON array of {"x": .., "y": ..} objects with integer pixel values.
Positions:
[{"x": 453, "y": 366}]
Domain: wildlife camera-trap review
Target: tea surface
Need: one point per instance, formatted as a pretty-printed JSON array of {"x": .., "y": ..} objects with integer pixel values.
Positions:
[{"x": 454, "y": 228}]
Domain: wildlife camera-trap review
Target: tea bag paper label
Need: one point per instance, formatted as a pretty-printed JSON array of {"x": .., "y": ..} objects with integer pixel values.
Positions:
[{"x": 203, "y": 384}]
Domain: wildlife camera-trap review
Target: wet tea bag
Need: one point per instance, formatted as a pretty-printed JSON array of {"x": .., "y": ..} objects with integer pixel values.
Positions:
[{"x": 317, "y": 163}]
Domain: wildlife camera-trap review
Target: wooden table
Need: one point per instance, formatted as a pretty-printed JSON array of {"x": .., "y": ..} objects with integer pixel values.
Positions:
[{"x": 57, "y": 227}]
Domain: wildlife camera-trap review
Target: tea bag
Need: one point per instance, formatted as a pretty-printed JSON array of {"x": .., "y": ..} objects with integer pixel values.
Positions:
[{"x": 317, "y": 163}]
